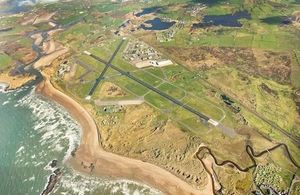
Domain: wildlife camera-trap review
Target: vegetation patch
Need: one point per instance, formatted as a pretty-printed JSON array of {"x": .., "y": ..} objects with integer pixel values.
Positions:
[
  {"x": 5, "y": 61},
  {"x": 265, "y": 63}
]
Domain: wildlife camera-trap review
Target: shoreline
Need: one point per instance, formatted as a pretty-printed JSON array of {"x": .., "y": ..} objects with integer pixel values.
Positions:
[{"x": 90, "y": 158}]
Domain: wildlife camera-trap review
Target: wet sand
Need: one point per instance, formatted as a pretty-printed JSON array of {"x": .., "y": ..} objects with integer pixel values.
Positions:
[{"x": 90, "y": 158}]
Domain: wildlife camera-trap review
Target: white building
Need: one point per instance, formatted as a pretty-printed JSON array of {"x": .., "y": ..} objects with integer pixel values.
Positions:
[
  {"x": 163, "y": 62},
  {"x": 155, "y": 63}
]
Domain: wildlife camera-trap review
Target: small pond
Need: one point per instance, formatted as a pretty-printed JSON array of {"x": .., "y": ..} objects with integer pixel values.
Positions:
[
  {"x": 156, "y": 24},
  {"x": 149, "y": 10},
  {"x": 6, "y": 29},
  {"x": 277, "y": 20},
  {"x": 230, "y": 20},
  {"x": 227, "y": 100}
]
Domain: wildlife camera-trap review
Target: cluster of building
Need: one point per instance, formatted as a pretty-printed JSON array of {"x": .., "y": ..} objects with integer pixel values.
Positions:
[
  {"x": 195, "y": 10},
  {"x": 63, "y": 69},
  {"x": 168, "y": 35},
  {"x": 142, "y": 55},
  {"x": 268, "y": 178}
]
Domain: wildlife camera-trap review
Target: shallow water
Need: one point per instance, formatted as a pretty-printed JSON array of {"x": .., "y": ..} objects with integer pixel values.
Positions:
[{"x": 34, "y": 131}]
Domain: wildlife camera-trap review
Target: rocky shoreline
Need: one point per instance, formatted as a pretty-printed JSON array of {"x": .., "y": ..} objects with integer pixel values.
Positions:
[
  {"x": 3, "y": 87},
  {"x": 52, "y": 181}
]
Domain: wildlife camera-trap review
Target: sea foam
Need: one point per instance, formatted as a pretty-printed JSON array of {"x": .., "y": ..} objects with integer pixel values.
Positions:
[
  {"x": 85, "y": 184},
  {"x": 55, "y": 126},
  {"x": 58, "y": 133}
]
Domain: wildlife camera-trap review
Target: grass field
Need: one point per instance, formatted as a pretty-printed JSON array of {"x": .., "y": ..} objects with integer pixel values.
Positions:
[
  {"x": 277, "y": 105},
  {"x": 5, "y": 61},
  {"x": 255, "y": 34},
  {"x": 295, "y": 78},
  {"x": 197, "y": 88},
  {"x": 201, "y": 88}
]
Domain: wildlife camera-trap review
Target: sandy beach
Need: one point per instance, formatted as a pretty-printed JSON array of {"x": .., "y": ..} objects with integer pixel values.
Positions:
[{"x": 90, "y": 158}]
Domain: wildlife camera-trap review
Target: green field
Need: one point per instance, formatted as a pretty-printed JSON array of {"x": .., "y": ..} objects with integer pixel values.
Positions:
[
  {"x": 265, "y": 104},
  {"x": 295, "y": 78},
  {"x": 5, "y": 61}
]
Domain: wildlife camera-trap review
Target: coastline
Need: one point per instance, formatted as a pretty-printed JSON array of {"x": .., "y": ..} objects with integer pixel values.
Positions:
[{"x": 90, "y": 158}]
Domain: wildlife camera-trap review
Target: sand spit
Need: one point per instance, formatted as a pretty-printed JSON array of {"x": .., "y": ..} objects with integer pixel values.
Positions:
[
  {"x": 38, "y": 38},
  {"x": 90, "y": 158},
  {"x": 48, "y": 59}
]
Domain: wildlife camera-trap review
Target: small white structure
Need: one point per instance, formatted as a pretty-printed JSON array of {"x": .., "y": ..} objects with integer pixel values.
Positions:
[
  {"x": 52, "y": 24},
  {"x": 213, "y": 122},
  {"x": 88, "y": 97},
  {"x": 87, "y": 53}
]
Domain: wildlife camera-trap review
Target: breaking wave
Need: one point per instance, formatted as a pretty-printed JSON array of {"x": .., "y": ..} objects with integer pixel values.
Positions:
[
  {"x": 33, "y": 2},
  {"x": 83, "y": 184},
  {"x": 54, "y": 135},
  {"x": 55, "y": 126}
]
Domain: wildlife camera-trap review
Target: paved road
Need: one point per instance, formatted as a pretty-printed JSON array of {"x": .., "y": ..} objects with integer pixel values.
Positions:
[
  {"x": 107, "y": 65},
  {"x": 170, "y": 98}
]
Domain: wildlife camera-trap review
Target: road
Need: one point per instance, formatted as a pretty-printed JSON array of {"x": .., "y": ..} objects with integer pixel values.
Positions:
[
  {"x": 150, "y": 87},
  {"x": 107, "y": 65}
]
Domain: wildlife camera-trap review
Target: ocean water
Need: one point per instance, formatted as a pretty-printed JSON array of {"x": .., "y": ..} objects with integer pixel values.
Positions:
[
  {"x": 33, "y": 132},
  {"x": 17, "y": 6}
]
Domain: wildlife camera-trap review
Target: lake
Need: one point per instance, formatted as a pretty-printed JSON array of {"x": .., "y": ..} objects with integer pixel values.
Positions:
[
  {"x": 149, "y": 10},
  {"x": 229, "y": 20},
  {"x": 157, "y": 24}
]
